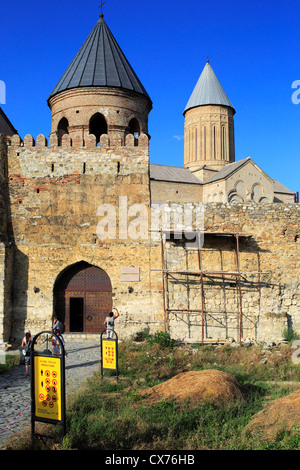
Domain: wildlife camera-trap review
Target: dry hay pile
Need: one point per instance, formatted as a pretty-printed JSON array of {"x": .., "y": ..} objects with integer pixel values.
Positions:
[
  {"x": 196, "y": 387},
  {"x": 281, "y": 414}
]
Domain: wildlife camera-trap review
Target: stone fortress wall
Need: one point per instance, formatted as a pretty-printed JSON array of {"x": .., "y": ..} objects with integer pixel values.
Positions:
[
  {"x": 52, "y": 194},
  {"x": 269, "y": 262}
]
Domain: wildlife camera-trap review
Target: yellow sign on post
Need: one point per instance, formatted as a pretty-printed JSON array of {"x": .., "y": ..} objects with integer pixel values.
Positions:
[
  {"x": 48, "y": 384},
  {"x": 47, "y": 387},
  {"x": 109, "y": 354}
]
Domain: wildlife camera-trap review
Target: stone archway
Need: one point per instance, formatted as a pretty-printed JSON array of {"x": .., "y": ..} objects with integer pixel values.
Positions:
[{"x": 83, "y": 298}]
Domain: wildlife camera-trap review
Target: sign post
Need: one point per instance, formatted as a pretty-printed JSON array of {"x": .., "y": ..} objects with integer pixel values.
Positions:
[
  {"x": 109, "y": 353},
  {"x": 48, "y": 385}
]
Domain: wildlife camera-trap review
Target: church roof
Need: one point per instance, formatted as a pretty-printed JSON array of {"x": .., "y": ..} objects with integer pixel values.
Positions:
[
  {"x": 208, "y": 90},
  {"x": 174, "y": 174},
  {"x": 227, "y": 170},
  {"x": 280, "y": 188},
  {"x": 6, "y": 126},
  {"x": 100, "y": 63}
]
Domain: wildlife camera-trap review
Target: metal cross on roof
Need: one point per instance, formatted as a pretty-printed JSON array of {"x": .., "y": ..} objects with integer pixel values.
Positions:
[{"x": 101, "y": 15}]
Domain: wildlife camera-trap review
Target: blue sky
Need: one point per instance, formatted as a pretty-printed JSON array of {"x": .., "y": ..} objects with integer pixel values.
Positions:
[{"x": 253, "y": 48}]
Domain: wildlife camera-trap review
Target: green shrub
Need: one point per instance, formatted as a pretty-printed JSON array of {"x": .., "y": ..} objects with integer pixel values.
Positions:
[
  {"x": 10, "y": 361},
  {"x": 289, "y": 334},
  {"x": 163, "y": 339}
]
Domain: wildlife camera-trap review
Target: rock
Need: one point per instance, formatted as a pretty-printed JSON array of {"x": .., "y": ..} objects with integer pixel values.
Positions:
[
  {"x": 248, "y": 342},
  {"x": 269, "y": 345},
  {"x": 231, "y": 342}
]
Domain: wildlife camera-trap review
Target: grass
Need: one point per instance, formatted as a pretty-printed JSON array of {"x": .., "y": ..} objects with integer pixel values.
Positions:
[
  {"x": 111, "y": 415},
  {"x": 10, "y": 361}
]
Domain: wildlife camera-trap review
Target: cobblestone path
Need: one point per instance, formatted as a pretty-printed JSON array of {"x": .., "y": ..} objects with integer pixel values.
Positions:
[{"x": 82, "y": 361}]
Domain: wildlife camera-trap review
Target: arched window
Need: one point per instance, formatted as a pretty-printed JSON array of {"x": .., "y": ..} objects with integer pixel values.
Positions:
[
  {"x": 134, "y": 128},
  {"x": 62, "y": 129},
  {"x": 98, "y": 126}
]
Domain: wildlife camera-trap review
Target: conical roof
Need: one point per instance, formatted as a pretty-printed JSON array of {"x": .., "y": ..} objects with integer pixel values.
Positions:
[
  {"x": 100, "y": 63},
  {"x": 208, "y": 90}
]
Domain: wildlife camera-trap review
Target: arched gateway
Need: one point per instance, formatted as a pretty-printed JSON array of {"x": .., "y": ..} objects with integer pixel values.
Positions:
[{"x": 82, "y": 298}]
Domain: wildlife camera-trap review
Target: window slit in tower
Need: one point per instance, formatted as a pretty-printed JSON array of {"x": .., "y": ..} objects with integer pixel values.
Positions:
[
  {"x": 214, "y": 142},
  {"x": 223, "y": 143},
  {"x": 84, "y": 168},
  {"x": 204, "y": 130},
  {"x": 196, "y": 144}
]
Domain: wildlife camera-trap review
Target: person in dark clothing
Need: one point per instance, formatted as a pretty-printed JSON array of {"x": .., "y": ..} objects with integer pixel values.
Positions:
[{"x": 26, "y": 343}]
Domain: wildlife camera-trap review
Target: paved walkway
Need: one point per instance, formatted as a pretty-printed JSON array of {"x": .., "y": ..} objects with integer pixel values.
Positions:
[{"x": 82, "y": 361}]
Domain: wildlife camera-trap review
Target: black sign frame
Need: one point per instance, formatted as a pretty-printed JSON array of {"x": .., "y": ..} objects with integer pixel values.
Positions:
[{"x": 48, "y": 354}]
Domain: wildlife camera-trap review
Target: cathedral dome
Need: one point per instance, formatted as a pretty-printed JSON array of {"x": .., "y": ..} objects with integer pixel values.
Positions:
[
  {"x": 100, "y": 93},
  {"x": 100, "y": 63},
  {"x": 208, "y": 91},
  {"x": 208, "y": 126}
]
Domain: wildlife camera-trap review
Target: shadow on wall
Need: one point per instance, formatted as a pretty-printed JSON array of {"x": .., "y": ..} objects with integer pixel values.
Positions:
[
  {"x": 16, "y": 279},
  {"x": 19, "y": 296}
]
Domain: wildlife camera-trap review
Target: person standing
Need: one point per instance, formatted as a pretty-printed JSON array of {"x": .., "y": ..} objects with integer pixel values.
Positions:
[
  {"x": 26, "y": 344},
  {"x": 56, "y": 343},
  {"x": 57, "y": 324},
  {"x": 109, "y": 323}
]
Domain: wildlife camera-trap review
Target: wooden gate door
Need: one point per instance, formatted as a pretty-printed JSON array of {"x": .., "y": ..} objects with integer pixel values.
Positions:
[{"x": 92, "y": 288}]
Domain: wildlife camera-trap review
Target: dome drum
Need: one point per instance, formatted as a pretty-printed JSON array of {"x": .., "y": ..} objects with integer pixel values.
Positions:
[{"x": 77, "y": 108}]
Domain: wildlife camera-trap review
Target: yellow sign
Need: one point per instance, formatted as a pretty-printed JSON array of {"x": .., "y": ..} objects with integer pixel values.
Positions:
[
  {"x": 109, "y": 354},
  {"x": 47, "y": 387}
]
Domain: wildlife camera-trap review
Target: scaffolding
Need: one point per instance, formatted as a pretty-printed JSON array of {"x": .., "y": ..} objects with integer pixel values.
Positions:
[{"x": 237, "y": 274}]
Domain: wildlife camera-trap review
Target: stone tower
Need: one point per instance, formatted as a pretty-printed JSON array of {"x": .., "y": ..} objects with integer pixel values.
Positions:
[
  {"x": 100, "y": 93},
  {"x": 209, "y": 126}
]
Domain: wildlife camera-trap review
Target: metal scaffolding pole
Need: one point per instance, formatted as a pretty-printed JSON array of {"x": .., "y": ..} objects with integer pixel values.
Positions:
[{"x": 238, "y": 274}]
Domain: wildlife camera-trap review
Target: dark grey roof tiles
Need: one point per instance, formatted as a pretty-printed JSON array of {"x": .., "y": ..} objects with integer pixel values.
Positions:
[
  {"x": 6, "y": 126},
  {"x": 280, "y": 188},
  {"x": 208, "y": 90},
  {"x": 227, "y": 170},
  {"x": 174, "y": 174},
  {"x": 100, "y": 63}
]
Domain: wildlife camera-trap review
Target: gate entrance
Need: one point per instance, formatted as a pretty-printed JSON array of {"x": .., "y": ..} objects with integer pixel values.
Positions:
[
  {"x": 83, "y": 298},
  {"x": 76, "y": 313}
]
